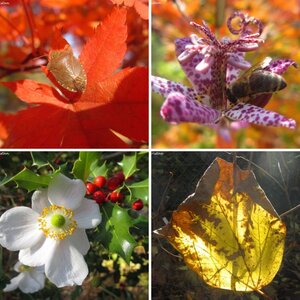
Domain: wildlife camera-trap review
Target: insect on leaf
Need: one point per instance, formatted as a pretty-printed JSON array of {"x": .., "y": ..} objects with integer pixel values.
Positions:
[
  {"x": 67, "y": 70},
  {"x": 227, "y": 231}
]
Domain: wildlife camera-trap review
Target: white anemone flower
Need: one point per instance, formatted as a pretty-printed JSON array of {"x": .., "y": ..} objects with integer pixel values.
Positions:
[
  {"x": 52, "y": 233},
  {"x": 30, "y": 279}
]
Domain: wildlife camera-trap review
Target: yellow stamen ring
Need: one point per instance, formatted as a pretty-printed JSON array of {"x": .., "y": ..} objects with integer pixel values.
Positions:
[{"x": 57, "y": 222}]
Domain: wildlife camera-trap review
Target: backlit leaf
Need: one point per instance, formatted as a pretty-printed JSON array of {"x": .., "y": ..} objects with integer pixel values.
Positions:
[
  {"x": 111, "y": 103},
  {"x": 227, "y": 231}
]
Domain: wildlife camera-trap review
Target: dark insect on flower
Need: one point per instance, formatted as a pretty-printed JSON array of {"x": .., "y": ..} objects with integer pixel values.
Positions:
[
  {"x": 255, "y": 81},
  {"x": 67, "y": 70}
]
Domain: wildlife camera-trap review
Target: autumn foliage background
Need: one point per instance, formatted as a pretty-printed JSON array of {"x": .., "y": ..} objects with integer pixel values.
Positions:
[
  {"x": 110, "y": 38},
  {"x": 282, "y": 36}
]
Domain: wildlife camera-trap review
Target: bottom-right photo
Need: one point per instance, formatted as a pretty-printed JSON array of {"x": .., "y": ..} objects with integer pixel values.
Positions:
[{"x": 226, "y": 225}]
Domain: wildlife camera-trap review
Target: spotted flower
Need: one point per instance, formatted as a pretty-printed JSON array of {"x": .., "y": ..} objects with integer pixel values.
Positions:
[
  {"x": 52, "y": 233},
  {"x": 211, "y": 65},
  {"x": 30, "y": 279}
]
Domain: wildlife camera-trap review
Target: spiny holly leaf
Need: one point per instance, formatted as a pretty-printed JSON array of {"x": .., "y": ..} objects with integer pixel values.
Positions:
[
  {"x": 111, "y": 102},
  {"x": 41, "y": 159},
  {"x": 97, "y": 170},
  {"x": 128, "y": 165},
  {"x": 28, "y": 180},
  {"x": 114, "y": 231},
  {"x": 139, "y": 190},
  {"x": 82, "y": 166},
  {"x": 227, "y": 231}
]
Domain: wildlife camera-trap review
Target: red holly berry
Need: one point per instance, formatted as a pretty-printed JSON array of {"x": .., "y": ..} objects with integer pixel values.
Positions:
[
  {"x": 138, "y": 204},
  {"x": 100, "y": 181},
  {"x": 116, "y": 197},
  {"x": 121, "y": 176},
  {"x": 99, "y": 196},
  {"x": 90, "y": 188},
  {"x": 113, "y": 183}
]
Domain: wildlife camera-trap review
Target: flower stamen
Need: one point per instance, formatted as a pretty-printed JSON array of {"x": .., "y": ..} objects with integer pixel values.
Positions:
[{"x": 57, "y": 222}]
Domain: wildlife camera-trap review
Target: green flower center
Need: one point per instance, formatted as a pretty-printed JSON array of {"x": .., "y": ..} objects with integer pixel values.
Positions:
[
  {"x": 24, "y": 268},
  {"x": 58, "y": 221}
]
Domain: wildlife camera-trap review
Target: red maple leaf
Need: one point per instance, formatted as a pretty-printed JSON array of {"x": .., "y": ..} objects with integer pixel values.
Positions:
[
  {"x": 112, "y": 101},
  {"x": 141, "y": 6}
]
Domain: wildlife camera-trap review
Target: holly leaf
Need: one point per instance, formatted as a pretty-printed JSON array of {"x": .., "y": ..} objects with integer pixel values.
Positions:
[
  {"x": 28, "y": 180},
  {"x": 128, "y": 165},
  {"x": 139, "y": 190},
  {"x": 111, "y": 101},
  {"x": 97, "y": 170},
  {"x": 228, "y": 231},
  {"x": 40, "y": 159},
  {"x": 82, "y": 166},
  {"x": 114, "y": 231}
]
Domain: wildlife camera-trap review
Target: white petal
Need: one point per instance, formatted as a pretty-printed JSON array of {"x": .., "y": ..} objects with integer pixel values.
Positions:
[
  {"x": 88, "y": 214},
  {"x": 14, "y": 283},
  {"x": 66, "y": 192},
  {"x": 39, "y": 254},
  {"x": 19, "y": 228},
  {"x": 17, "y": 267},
  {"x": 66, "y": 266},
  {"x": 40, "y": 200},
  {"x": 31, "y": 284},
  {"x": 80, "y": 241}
]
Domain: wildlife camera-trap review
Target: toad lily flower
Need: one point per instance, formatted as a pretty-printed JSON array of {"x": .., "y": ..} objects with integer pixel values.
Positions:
[
  {"x": 211, "y": 65},
  {"x": 52, "y": 233},
  {"x": 30, "y": 279}
]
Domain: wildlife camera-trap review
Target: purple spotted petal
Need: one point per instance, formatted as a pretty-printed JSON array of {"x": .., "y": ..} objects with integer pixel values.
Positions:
[
  {"x": 280, "y": 66},
  {"x": 179, "y": 108},
  {"x": 164, "y": 87},
  {"x": 237, "y": 60},
  {"x": 234, "y": 68},
  {"x": 257, "y": 115},
  {"x": 200, "y": 81}
]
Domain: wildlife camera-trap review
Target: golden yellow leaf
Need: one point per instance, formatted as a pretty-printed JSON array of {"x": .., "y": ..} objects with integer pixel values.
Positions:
[{"x": 228, "y": 231}]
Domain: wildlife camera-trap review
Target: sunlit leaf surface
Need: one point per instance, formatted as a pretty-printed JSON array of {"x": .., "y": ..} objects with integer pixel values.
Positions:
[{"x": 227, "y": 231}]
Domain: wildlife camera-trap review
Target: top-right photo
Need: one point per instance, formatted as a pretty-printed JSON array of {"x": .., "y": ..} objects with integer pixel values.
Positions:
[{"x": 225, "y": 74}]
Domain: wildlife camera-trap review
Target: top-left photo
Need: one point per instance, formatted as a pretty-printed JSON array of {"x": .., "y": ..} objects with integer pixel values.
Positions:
[{"x": 74, "y": 74}]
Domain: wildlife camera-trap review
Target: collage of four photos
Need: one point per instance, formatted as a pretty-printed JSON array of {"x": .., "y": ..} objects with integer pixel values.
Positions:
[{"x": 149, "y": 149}]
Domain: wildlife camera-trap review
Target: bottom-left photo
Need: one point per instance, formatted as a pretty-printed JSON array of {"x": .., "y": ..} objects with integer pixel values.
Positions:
[{"x": 74, "y": 225}]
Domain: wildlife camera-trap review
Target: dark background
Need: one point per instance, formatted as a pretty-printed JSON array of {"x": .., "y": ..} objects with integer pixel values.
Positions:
[{"x": 174, "y": 177}]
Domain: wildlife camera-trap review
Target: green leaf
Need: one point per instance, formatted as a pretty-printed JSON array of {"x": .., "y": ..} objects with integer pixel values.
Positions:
[
  {"x": 28, "y": 180},
  {"x": 97, "y": 170},
  {"x": 128, "y": 165},
  {"x": 139, "y": 190},
  {"x": 141, "y": 222},
  {"x": 39, "y": 159},
  {"x": 82, "y": 166},
  {"x": 114, "y": 231}
]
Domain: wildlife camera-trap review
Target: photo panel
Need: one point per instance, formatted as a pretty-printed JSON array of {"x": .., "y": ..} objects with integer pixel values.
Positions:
[
  {"x": 69, "y": 69},
  {"x": 225, "y": 225},
  {"x": 74, "y": 225},
  {"x": 224, "y": 74}
]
